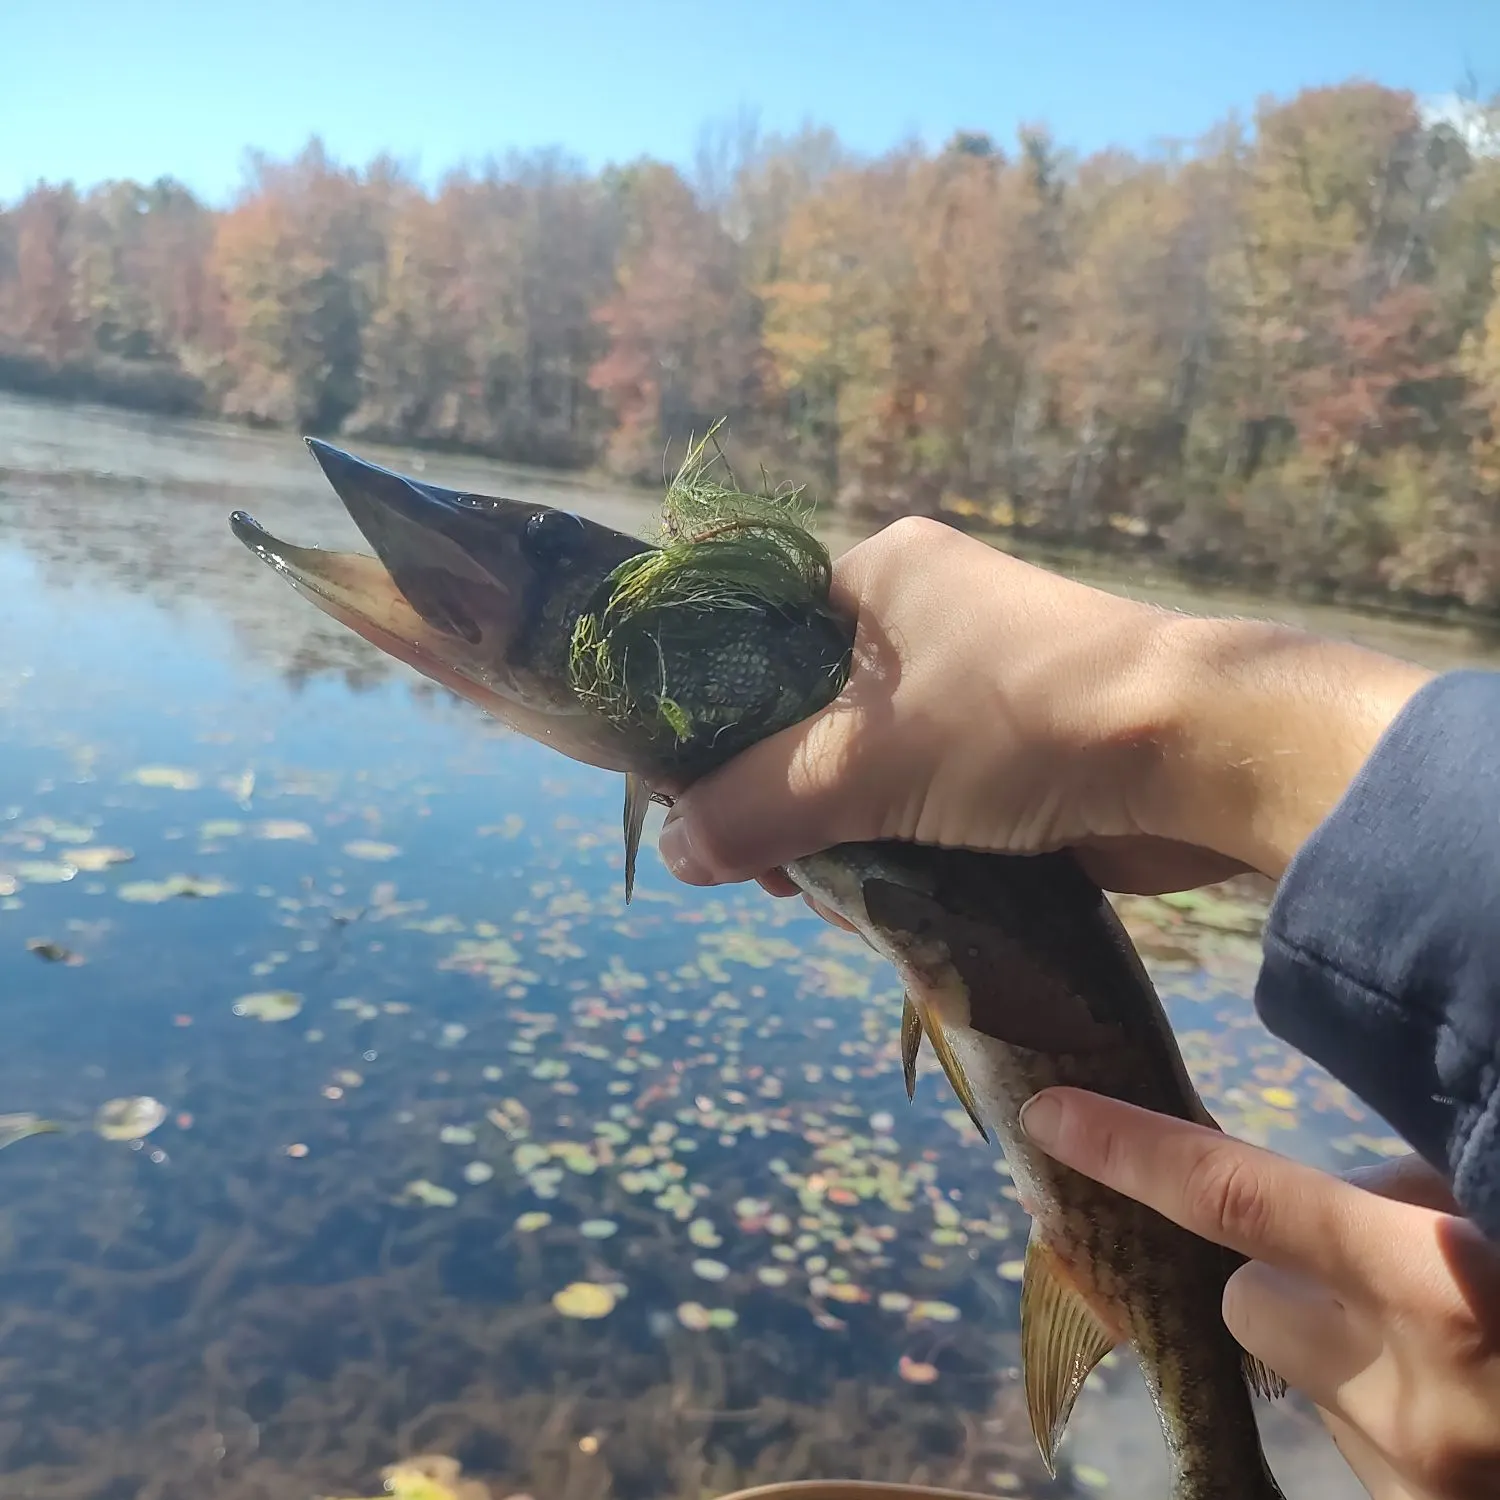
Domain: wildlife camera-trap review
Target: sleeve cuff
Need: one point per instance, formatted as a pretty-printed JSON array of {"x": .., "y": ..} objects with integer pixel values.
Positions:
[{"x": 1382, "y": 958}]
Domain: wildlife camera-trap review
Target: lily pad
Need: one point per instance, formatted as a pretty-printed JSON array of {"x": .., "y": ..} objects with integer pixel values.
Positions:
[
  {"x": 45, "y": 872},
  {"x": 430, "y": 1193},
  {"x": 175, "y": 778},
  {"x": 99, "y": 857},
  {"x": 53, "y": 953},
  {"x": 129, "y": 1119},
  {"x": 584, "y": 1299},
  {"x": 695, "y": 1316},
  {"x": 530, "y": 1223},
  {"x": 280, "y": 830},
  {"x": 269, "y": 1005},
  {"x": 598, "y": 1229},
  {"x": 151, "y": 891},
  {"x": 370, "y": 849}
]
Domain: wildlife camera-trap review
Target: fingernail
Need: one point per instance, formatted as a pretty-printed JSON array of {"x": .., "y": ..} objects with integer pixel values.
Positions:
[
  {"x": 1041, "y": 1119},
  {"x": 675, "y": 845}
]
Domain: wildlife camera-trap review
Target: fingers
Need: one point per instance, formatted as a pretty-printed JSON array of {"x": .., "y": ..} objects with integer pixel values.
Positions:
[
  {"x": 1407, "y": 1179},
  {"x": 1264, "y": 1206},
  {"x": 1298, "y": 1328},
  {"x": 785, "y": 797}
]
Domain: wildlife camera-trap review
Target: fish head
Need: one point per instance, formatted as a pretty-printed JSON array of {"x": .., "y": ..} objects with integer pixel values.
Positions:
[
  {"x": 476, "y": 592},
  {"x": 661, "y": 661}
]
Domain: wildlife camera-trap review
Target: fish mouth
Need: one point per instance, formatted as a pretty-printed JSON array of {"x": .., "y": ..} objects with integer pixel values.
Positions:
[{"x": 463, "y": 588}]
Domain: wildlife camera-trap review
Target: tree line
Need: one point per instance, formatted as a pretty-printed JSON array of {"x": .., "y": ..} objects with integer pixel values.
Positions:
[{"x": 1272, "y": 355}]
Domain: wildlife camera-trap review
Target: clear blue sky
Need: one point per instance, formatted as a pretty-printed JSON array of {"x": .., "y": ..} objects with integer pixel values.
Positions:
[{"x": 98, "y": 88}]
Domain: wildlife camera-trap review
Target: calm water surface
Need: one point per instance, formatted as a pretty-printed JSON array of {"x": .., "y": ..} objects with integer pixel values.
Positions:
[{"x": 342, "y": 1244}]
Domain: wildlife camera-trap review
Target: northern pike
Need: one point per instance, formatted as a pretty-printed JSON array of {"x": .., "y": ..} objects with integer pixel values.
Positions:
[{"x": 664, "y": 659}]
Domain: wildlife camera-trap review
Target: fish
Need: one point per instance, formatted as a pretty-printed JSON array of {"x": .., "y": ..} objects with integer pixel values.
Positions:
[{"x": 661, "y": 660}]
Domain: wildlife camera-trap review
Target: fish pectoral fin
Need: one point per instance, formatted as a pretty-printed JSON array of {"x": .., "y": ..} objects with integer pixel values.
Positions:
[
  {"x": 953, "y": 1070},
  {"x": 637, "y": 801},
  {"x": 1261, "y": 1378},
  {"x": 911, "y": 1044},
  {"x": 1062, "y": 1339}
]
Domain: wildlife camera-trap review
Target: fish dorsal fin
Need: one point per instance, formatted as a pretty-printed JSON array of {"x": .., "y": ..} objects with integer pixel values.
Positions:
[
  {"x": 637, "y": 801},
  {"x": 1062, "y": 1340},
  {"x": 911, "y": 1044},
  {"x": 953, "y": 1069}
]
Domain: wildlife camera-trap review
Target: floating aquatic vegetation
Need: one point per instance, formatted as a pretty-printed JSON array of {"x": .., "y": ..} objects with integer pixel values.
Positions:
[
  {"x": 584, "y": 1299},
  {"x": 44, "y": 872},
  {"x": 370, "y": 849},
  {"x": 173, "y": 778},
  {"x": 916, "y": 1371},
  {"x": 703, "y": 1234},
  {"x": 148, "y": 892},
  {"x": 285, "y": 830},
  {"x": 478, "y": 1172},
  {"x": 529, "y": 1223},
  {"x": 429, "y": 1193},
  {"x": 429, "y": 1477},
  {"x": 935, "y": 1312},
  {"x": 20, "y": 1127},
  {"x": 598, "y": 1229},
  {"x": 710, "y": 1270},
  {"x": 492, "y": 958},
  {"x": 694, "y": 1316},
  {"x": 129, "y": 1119},
  {"x": 53, "y": 953},
  {"x": 269, "y": 1006},
  {"x": 99, "y": 857},
  {"x": 457, "y": 1135}
]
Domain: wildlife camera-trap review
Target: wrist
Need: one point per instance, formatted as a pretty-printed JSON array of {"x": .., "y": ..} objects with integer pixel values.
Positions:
[{"x": 1256, "y": 731}]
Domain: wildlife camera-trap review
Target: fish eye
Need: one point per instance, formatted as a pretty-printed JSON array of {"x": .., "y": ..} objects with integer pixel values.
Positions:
[{"x": 550, "y": 534}]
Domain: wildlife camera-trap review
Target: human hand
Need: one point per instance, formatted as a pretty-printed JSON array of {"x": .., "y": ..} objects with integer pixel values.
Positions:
[
  {"x": 1369, "y": 1295},
  {"x": 996, "y": 705}
]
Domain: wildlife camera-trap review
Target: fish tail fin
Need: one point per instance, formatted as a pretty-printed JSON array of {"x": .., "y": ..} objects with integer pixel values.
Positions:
[{"x": 1062, "y": 1339}]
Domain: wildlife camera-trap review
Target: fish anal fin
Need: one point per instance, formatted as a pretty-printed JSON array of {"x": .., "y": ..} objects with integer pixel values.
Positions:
[
  {"x": 637, "y": 801},
  {"x": 1261, "y": 1378},
  {"x": 911, "y": 1044},
  {"x": 953, "y": 1069},
  {"x": 1062, "y": 1339}
]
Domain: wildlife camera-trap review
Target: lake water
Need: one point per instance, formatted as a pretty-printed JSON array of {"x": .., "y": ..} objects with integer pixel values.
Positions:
[{"x": 351, "y": 1236}]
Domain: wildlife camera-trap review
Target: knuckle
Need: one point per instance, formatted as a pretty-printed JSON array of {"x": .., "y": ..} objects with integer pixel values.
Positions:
[
  {"x": 918, "y": 532},
  {"x": 1224, "y": 1188}
]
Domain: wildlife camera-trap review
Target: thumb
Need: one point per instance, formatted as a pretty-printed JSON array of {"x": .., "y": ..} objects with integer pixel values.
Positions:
[{"x": 786, "y": 796}]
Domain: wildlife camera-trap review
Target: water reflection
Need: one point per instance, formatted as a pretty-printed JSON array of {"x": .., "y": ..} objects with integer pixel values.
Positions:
[{"x": 343, "y": 1243}]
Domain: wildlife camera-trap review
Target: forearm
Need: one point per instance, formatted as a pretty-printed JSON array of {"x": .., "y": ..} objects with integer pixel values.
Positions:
[{"x": 1258, "y": 730}]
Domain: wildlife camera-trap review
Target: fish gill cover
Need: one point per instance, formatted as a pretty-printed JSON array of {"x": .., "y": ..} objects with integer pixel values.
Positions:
[{"x": 721, "y": 549}]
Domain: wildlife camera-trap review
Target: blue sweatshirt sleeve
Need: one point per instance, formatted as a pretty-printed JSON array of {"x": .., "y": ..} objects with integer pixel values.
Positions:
[{"x": 1382, "y": 947}]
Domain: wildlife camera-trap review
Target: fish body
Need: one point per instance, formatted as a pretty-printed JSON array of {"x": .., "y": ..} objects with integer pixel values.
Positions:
[
  {"x": 664, "y": 660},
  {"x": 1021, "y": 968}
]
